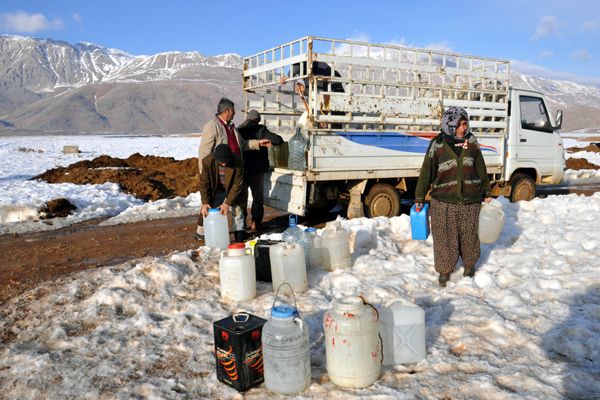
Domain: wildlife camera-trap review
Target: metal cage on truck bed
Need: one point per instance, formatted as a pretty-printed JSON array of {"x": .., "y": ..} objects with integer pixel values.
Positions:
[{"x": 356, "y": 86}]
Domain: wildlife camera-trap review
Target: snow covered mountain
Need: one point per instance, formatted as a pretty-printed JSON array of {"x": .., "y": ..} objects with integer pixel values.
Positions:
[{"x": 54, "y": 86}]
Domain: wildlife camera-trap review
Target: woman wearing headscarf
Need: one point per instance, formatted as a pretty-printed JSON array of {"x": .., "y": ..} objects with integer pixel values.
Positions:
[{"x": 455, "y": 176}]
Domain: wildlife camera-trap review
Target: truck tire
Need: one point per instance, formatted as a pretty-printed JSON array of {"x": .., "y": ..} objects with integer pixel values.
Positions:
[
  {"x": 522, "y": 188},
  {"x": 383, "y": 200}
]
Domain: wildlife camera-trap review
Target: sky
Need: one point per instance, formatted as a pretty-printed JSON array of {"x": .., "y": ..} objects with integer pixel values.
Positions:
[{"x": 554, "y": 38}]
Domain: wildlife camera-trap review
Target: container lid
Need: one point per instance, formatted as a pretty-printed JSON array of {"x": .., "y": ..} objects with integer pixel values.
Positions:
[
  {"x": 284, "y": 311},
  {"x": 311, "y": 229},
  {"x": 236, "y": 246},
  {"x": 349, "y": 303},
  {"x": 213, "y": 210},
  {"x": 293, "y": 220}
]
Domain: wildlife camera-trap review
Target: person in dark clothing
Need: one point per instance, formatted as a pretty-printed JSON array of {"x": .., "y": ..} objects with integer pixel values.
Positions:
[
  {"x": 222, "y": 185},
  {"x": 454, "y": 170},
  {"x": 256, "y": 163}
]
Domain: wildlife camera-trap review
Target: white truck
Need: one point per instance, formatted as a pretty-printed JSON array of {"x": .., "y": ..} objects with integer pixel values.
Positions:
[{"x": 373, "y": 110}]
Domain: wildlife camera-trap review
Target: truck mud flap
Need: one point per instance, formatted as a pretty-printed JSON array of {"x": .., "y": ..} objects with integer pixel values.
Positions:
[{"x": 286, "y": 190}]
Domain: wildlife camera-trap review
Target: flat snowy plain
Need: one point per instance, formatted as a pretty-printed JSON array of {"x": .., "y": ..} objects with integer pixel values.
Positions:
[{"x": 526, "y": 327}]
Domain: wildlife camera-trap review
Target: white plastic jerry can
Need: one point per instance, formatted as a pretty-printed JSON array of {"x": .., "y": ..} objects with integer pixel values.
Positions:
[
  {"x": 314, "y": 247},
  {"x": 403, "y": 332},
  {"x": 352, "y": 344},
  {"x": 286, "y": 350},
  {"x": 216, "y": 229},
  {"x": 288, "y": 265},
  {"x": 491, "y": 221},
  {"x": 335, "y": 249},
  {"x": 237, "y": 273}
]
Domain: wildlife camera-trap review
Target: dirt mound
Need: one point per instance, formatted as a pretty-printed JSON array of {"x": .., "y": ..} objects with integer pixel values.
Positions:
[
  {"x": 145, "y": 177},
  {"x": 580, "y": 163},
  {"x": 592, "y": 147},
  {"x": 60, "y": 207}
]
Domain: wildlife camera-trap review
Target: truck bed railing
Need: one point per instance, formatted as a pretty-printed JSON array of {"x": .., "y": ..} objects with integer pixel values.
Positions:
[{"x": 374, "y": 86}]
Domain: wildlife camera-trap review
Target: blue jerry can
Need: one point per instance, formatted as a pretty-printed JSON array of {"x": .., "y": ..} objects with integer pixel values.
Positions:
[{"x": 419, "y": 222}]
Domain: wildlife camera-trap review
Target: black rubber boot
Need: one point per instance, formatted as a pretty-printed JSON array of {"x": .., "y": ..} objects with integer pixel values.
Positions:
[
  {"x": 443, "y": 279},
  {"x": 469, "y": 271},
  {"x": 239, "y": 236}
]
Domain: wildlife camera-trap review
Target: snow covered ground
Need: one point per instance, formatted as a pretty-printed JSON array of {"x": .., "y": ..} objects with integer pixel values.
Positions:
[{"x": 526, "y": 327}]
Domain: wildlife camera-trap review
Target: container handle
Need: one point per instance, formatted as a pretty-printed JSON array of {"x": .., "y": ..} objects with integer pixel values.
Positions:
[
  {"x": 402, "y": 301},
  {"x": 293, "y": 295},
  {"x": 376, "y": 313},
  {"x": 223, "y": 253},
  {"x": 243, "y": 315},
  {"x": 300, "y": 323}
]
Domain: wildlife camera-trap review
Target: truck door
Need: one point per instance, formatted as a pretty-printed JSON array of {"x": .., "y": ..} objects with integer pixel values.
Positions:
[{"x": 536, "y": 140}]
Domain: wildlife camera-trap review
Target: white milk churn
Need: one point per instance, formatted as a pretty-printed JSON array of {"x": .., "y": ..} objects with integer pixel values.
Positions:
[
  {"x": 491, "y": 221},
  {"x": 288, "y": 265},
  {"x": 216, "y": 229},
  {"x": 237, "y": 273},
  {"x": 403, "y": 332},
  {"x": 286, "y": 350},
  {"x": 335, "y": 251},
  {"x": 352, "y": 343},
  {"x": 314, "y": 247}
]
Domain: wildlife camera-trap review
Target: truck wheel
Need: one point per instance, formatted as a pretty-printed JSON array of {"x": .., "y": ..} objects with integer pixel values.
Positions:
[
  {"x": 383, "y": 200},
  {"x": 523, "y": 188}
]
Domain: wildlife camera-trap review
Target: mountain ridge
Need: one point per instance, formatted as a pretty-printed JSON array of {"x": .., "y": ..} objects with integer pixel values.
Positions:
[{"x": 49, "y": 85}]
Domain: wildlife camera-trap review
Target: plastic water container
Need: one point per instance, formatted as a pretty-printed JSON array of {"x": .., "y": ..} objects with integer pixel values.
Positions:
[
  {"x": 419, "y": 222},
  {"x": 352, "y": 344},
  {"x": 286, "y": 350},
  {"x": 335, "y": 250},
  {"x": 216, "y": 229},
  {"x": 237, "y": 273},
  {"x": 491, "y": 221},
  {"x": 403, "y": 332},
  {"x": 314, "y": 247},
  {"x": 295, "y": 234},
  {"x": 297, "y": 151},
  {"x": 262, "y": 259},
  {"x": 288, "y": 265}
]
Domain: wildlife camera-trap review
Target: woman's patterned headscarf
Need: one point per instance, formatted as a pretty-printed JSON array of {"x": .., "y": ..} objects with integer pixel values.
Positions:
[{"x": 452, "y": 116}]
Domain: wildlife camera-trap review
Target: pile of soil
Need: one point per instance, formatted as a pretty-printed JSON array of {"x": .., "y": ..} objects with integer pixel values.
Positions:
[
  {"x": 581, "y": 163},
  {"x": 145, "y": 177},
  {"x": 57, "y": 208}
]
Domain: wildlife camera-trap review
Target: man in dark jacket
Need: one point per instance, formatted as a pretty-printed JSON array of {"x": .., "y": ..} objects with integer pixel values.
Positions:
[
  {"x": 256, "y": 162},
  {"x": 222, "y": 185}
]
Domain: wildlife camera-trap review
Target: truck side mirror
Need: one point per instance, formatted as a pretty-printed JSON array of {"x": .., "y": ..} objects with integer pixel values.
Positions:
[{"x": 558, "y": 119}]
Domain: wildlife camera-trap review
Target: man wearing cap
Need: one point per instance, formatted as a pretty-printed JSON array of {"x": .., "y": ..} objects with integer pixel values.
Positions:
[
  {"x": 256, "y": 162},
  {"x": 221, "y": 130},
  {"x": 222, "y": 186}
]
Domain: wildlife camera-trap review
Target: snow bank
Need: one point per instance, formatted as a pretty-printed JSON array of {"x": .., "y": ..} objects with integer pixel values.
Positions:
[{"x": 527, "y": 325}]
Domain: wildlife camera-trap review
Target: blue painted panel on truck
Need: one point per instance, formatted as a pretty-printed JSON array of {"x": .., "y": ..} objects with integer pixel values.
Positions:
[{"x": 397, "y": 141}]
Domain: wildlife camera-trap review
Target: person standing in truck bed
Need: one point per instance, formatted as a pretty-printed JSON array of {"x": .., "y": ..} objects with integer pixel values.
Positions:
[
  {"x": 256, "y": 163},
  {"x": 455, "y": 172}
]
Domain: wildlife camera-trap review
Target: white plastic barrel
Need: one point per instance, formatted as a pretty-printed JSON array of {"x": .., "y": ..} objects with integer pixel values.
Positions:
[
  {"x": 237, "y": 273},
  {"x": 403, "y": 332},
  {"x": 216, "y": 229},
  {"x": 335, "y": 250},
  {"x": 352, "y": 344},
  {"x": 491, "y": 221},
  {"x": 288, "y": 265},
  {"x": 286, "y": 350},
  {"x": 314, "y": 247}
]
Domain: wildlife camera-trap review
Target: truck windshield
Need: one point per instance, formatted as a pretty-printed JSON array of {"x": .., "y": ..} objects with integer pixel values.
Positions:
[{"x": 534, "y": 115}]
